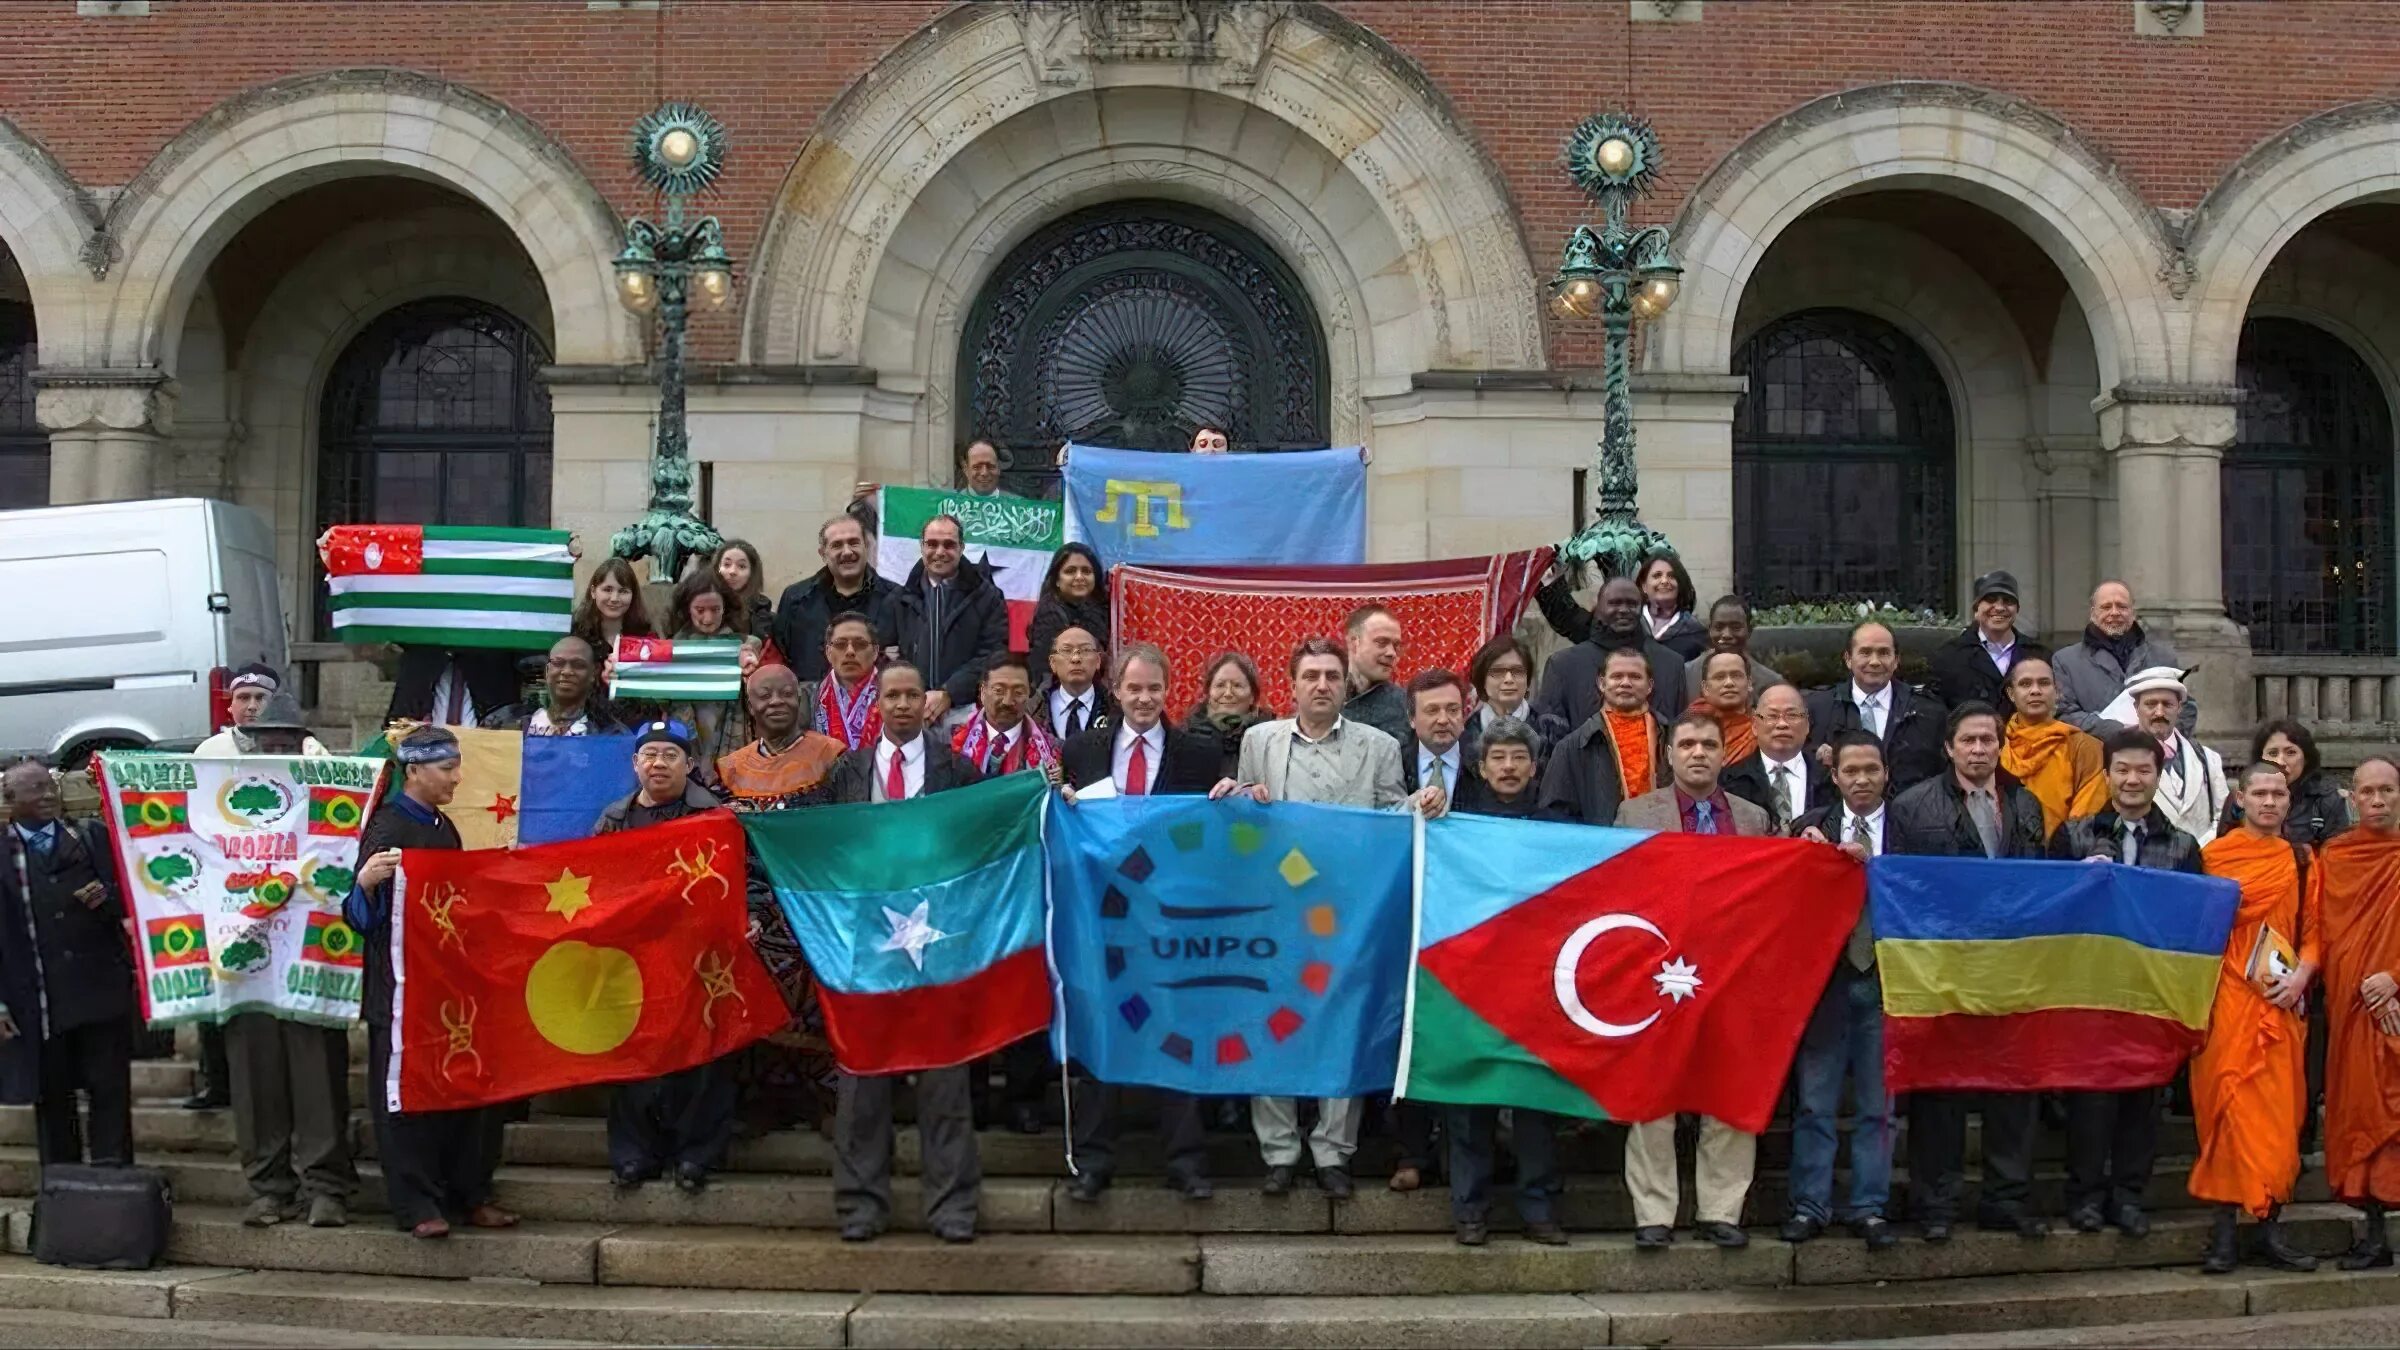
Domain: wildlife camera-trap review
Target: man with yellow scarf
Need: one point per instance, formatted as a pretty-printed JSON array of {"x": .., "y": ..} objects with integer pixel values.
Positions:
[{"x": 2058, "y": 764}]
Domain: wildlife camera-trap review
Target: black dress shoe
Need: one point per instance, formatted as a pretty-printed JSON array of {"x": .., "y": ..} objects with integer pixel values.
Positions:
[
  {"x": 1278, "y": 1182},
  {"x": 1800, "y": 1228},
  {"x": 207, "y": 1101},
  {"x": 1545, "y": 1233},
  {"x": 1472, "y": 1234},
  {"x": 1087, "y": 1187},
  {"x": 2366, "y": 1255},
  {"x": 2277, "y": 1253},
  {"x": 691, "y": 1178},
  {"x": 2131, "y": 1221},
  {"x": 1877, "y": 1233},
  {"x": 1937, "y": 1231},
  {"x": 2086, "y": 1219},
  {"x": 1335, "y": 1182},
  {"x": 1653, "y": 1238},
  {"x": 1725, "y": 1235}
]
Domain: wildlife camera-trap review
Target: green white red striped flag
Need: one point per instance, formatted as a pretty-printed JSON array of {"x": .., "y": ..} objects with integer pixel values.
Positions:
[
  {"x": 449, "y": 585},
  {"x": 679, "y": 670},
  {"x": 1012, "y": 537}
]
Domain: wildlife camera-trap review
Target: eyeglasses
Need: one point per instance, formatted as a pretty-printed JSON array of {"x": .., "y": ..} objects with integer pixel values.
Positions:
[{"x": 851, "y": 644}]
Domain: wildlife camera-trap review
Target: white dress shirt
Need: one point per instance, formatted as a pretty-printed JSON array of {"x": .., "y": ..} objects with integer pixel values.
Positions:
[
  {"x": 1448, "y": 759},
  {"x": 1874, "y": 710},
  {"x": 1794, "y": 781},
  {"x": 1061, "y": 700},
  {"x": 1154, "y": 749},
  {"x": 1874, "y": 821},
  {"x": 912, "y": 766}
]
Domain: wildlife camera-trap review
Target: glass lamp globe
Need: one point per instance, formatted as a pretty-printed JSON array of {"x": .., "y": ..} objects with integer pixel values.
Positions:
[
  {"x": 1615, "y": 156},
  {"x": 716, "y": 286},
  {"x": 636, "y": 292},
  {"x": 679, "y": 147}
]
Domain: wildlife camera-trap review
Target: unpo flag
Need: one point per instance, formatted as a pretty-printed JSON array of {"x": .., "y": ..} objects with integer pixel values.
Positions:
[
  {"x": 2043, "y": 976},
  {"x": 679, "y": 670},
  {"x": 178, "y": 940},
  {"x": 1228, "y": 947},
  {"x": 336, "y": 811},
  {"x": 620, "y": 957},
  {"x": 153, "y": 813},
  {"x": 1618, "y": 973},
  {"x": 921, "y": 919},
  {"x": 1011, "y": 537},
  {"x": 331, "y": 941},
  {"x": 449, "y": 585}
]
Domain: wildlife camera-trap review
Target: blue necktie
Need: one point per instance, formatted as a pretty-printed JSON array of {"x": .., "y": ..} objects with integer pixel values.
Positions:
[{"x": 1704, "y": 818}]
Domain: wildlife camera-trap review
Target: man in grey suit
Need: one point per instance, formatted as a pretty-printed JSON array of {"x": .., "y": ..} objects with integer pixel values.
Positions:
[
  {"x": 1317, "y": 756},
  {"x": 1726, "y": 1158}
]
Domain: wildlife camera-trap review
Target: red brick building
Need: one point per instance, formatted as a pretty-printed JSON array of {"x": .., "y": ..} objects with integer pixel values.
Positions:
[{"x": 1966, "y": 285}]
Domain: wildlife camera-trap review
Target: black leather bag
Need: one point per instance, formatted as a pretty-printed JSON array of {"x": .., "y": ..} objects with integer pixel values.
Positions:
[{"x": 101, "y": 1218}]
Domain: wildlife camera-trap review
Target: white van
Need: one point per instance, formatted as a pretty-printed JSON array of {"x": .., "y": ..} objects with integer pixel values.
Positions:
[{"x": 126, "y": 618}]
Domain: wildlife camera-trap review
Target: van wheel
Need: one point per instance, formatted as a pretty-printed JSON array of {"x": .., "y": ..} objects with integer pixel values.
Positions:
[{"x": 79, "y": 755}]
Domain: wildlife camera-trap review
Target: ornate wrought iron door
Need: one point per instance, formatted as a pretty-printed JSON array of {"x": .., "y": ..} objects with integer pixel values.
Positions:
[
  {"x": 2307, "y": 496},
  {"x": 24, "y": 446},
  {"x": 1843, "y": 465},
  {"x": 1130, "y": 325}
]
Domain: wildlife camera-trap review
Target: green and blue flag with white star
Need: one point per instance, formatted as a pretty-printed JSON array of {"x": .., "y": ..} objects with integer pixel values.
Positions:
[
  {"x": 1230, "y": 948},
  {"x": 922, "y": 920}
]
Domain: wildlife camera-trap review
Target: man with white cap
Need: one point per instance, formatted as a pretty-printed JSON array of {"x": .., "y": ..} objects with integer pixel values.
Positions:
[{"x": 2191, "y": 777}]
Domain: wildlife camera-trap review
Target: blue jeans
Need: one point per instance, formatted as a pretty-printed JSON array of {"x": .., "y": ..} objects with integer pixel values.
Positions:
[{"x": 1845, "y": 1035}]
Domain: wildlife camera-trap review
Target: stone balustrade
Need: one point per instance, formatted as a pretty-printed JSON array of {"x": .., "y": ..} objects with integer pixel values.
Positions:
[{"x": 2352, "y": 703}]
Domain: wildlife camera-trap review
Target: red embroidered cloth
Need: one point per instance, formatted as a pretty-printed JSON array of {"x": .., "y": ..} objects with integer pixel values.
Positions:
[{"x": 1446, "y": 610}]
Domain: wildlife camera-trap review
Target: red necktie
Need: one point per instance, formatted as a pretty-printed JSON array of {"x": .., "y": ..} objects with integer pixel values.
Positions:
[
  {"x": 1137, "y": 769},
  {"x": 895, "y": 783}
]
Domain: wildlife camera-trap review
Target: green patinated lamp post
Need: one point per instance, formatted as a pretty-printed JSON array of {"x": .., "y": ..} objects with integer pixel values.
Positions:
[
  {"x": 679, "y": 150},
  {"x": 1623, "y": 275}
]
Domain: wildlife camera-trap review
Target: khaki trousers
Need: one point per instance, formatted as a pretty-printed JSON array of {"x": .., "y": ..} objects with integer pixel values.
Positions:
[{"x": 1722, "y": 1166}]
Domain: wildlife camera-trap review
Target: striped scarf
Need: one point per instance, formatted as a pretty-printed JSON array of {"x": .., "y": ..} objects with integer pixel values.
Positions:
[
  {"x": 854, "y": 721},
  {"x": 1036, "y": 749}
]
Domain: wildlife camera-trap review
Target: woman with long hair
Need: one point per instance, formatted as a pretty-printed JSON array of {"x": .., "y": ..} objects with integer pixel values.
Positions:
[
  {"x": 1074, "y": 595},
  {"x": 736, "y": 563},
  {"x": 611, "y": 608}
]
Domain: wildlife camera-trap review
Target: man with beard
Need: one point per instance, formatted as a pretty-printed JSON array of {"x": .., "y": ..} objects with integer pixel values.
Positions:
[
  {"x": 1570, "y": 688},
  {"x": 846, "y": 584}
]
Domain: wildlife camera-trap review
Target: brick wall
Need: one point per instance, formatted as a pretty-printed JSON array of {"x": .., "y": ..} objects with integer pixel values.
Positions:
[{"x": 104, "y": 94}]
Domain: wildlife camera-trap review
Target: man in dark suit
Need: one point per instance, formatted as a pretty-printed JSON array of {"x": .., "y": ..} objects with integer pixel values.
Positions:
[
  {"x": 846, "y": 584},
  {"x": 57, "y": 885},
  {"x": 1071, "y": 699},
  {"x": 1972, "y": 810},
  {"x": 1780, "y": 774},
  {"x": 1570, "y": 689},
  {"x": 902, "y": 764},
  {"x": 1908, "y": 723},
  {"x": 1975, "y": 664},
  {"x": 1140, "y": 756},
  {"x": 950, "y": 620}
]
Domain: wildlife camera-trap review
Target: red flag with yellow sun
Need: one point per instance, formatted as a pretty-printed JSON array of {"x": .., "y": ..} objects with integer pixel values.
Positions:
[{"x": 602, "y": 960}]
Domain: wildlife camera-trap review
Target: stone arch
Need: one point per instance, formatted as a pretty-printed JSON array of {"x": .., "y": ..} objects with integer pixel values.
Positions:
[
  {"x": 46, "y": 223},
  {"x": 1947, "y": 309},
  {"x": 2350, "y": 292},
  {"x": 274, "y": 140},
  {"x": 310, "y": 318},
  {"x": 1224, "y": 75},
  {"x": 2240, "y": 228},
  {"x": 2013, "y": 159}
]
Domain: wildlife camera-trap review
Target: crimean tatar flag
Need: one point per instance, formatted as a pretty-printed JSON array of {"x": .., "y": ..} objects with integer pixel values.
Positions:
[
  {"x": 449, "y": 585},
  {"x": 603, "y": 960},
  {"x": 922, "y": 920},
  {"x": 2024, "y": 976},
  {"x": 1618, "y": 974}
]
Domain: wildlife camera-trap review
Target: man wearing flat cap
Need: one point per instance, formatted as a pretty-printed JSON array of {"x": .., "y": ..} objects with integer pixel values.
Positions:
[
  {"x": 437, "y": 1165},
  {"x": 681, "y": 1122},
  {"x": 1973, "y": 667}
]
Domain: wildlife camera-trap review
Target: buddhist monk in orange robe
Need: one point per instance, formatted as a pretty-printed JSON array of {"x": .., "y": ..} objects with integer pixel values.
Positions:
[
  {"x": 2250, "y": 1080},
  {"x": 2362, "y": 1008},
  {"x": 2052, "y": 759}
]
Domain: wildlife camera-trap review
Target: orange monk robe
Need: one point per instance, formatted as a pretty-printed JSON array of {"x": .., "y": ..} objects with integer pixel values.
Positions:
[
  {"x": 1630, "y": 733},
  {"x": 2060, "y": 765},
  {"x": 1741, "y": 734},
  {"x": 2362, "y": 1065},
  {"x": 2250, "y": 1080}
]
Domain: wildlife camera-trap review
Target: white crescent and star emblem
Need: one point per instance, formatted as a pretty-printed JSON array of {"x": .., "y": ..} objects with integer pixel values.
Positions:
[{"x": 1677, "y": 979}]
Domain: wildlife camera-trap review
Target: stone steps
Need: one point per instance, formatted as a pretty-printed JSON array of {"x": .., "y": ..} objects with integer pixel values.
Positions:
[{"x": 383, "y": 1308}]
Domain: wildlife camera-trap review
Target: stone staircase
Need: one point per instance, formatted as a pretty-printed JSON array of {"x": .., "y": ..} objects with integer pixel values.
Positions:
[{"x": 755, "y": 1260}]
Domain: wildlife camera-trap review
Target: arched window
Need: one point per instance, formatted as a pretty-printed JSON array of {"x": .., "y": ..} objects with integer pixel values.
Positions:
[
  {"x": 1842, "y": 465},
  {"x": 24, "y": 446},
  {"x": 437, "y": 415},
  {"x": 2307, "y": 492}
]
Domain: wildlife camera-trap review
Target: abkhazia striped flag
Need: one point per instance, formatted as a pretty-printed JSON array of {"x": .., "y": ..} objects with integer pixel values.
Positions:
[
  {"x": 449, "y": 585},
  {"x": 681, "y": 670}
]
